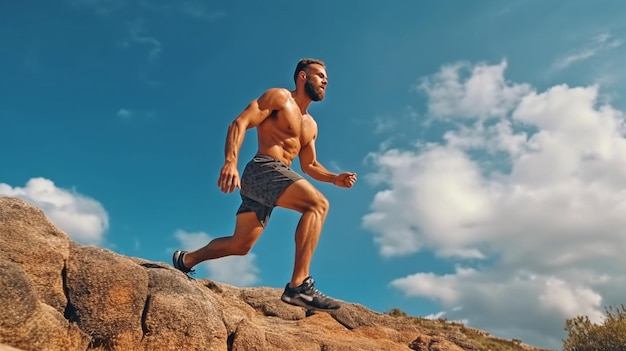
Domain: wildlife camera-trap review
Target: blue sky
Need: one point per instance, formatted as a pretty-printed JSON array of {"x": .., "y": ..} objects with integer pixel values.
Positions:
[{"x": 488, "y": 137}]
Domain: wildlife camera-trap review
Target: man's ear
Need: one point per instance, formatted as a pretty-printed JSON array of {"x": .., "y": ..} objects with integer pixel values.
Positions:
[{"x": 302, "y": 74}]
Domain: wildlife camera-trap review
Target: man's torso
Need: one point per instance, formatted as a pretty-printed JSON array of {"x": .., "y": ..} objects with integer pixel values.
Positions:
[{"x": 284, "y": 133}]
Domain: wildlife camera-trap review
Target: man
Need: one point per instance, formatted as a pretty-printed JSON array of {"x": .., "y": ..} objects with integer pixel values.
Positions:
[{"x": 285, "y": 130}]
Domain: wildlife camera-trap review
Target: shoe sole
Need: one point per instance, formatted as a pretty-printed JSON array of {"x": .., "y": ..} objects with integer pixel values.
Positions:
[{"x": 300, "y": 303}]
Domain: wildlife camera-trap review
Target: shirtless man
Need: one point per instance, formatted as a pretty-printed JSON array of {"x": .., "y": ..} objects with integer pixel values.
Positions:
[{"x": 285, "y": 130}]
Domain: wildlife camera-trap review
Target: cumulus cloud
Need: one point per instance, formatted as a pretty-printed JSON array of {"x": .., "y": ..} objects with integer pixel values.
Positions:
[
  {"x": 234, "y": 270},
  {"x": 82, "y": 218},
  {"x": 529, "y": 203},
  {"x": 484, "y": 93}
]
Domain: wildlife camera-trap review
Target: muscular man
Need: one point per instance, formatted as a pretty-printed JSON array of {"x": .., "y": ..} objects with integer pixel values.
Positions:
[{"x": 285, "y": 130}]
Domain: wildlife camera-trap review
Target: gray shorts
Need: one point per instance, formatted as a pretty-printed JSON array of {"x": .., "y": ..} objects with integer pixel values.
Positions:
[{"x": 263, "y": 181}]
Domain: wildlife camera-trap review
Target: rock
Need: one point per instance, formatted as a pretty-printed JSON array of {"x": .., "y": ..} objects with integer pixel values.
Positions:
[
  {"x": 29, "y": 239},
  {"x": 433, "y": 343},
  {"x": 29, "y": 324},
  {"x": 59, "y": 295}
]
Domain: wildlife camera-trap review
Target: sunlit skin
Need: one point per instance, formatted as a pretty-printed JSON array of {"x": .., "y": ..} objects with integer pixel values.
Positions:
[{"x": 285, "y": 131}]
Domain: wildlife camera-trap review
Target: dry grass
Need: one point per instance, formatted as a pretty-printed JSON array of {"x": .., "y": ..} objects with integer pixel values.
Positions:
[{"x": 465, "y": 337}]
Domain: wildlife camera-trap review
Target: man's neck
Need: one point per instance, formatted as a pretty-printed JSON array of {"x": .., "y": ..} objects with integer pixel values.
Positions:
[{"x": 302, "y": 99}]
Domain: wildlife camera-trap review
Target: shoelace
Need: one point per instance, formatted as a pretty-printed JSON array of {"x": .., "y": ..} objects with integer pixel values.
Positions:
[{"x": 315, "y": 291}]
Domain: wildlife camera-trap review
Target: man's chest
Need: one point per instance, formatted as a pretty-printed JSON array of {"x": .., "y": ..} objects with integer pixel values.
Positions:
[{"x": 293, "y": 124}]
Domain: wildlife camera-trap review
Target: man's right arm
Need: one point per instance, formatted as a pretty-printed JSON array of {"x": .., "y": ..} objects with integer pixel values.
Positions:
[{"x": 253, "y": 115}]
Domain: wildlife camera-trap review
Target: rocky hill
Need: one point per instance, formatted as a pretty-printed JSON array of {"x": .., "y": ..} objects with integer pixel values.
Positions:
[{"x": 60, "y": 295}]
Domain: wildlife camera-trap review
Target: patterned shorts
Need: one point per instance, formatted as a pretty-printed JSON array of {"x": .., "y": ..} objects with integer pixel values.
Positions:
[{"x": 263, "y": 181}]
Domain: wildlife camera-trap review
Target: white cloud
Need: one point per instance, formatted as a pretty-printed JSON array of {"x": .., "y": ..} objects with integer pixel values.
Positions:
[
  {"x": 82, "y": 218},
  {"x": 234, "y": 270},
  {"x": 507, "y": 304},
  {"x": 443, "y": 315},
  {"x": 484, "y": 93},
  {"x": 530, "y": 203},
  {"x": 566, "y": 300},
  {"x": 599, "y": 44}
]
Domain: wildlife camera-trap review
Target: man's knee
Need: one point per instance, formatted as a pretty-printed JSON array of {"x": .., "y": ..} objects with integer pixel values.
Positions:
[
  {"x": 242, "y": 249},
  {"x": 247, "y": 232},
  {"x": 321, "y": 204}
]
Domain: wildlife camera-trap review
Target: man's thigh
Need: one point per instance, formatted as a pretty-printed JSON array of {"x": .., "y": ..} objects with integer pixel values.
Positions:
[{"x": 300, "y": 196}]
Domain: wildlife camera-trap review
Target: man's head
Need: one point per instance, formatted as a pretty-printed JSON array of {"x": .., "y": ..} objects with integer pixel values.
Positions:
[{"x": 311, "y": 75}]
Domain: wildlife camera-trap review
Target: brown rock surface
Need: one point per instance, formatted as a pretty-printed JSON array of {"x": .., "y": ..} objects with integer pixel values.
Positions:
[{"x": 59, "y": 295}]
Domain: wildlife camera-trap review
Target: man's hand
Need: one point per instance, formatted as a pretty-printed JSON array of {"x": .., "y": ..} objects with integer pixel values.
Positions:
[
  {"x": 229, "y": 178},
  {"x": 345, "y": 180}
]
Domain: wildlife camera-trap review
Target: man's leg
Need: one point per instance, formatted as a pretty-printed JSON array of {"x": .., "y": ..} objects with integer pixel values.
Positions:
[
  {"x": 248, "y": 229},
  {"x": 303, "y": 197}
]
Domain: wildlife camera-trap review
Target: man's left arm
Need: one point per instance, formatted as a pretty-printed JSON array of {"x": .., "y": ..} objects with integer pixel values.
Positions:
[{"x": 310, "y": 166}]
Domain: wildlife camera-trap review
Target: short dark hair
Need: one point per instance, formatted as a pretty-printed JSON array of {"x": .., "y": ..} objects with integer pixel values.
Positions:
[{"x": 304, "y": 64}]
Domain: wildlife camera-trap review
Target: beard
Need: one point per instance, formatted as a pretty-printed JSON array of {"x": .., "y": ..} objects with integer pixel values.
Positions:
[{"x": 314, "y": 94}]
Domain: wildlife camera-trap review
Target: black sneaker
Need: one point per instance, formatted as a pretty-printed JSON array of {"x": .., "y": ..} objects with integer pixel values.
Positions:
[
  {"x": 308, "y": 297},
  {"x": 177, "y": 261}
]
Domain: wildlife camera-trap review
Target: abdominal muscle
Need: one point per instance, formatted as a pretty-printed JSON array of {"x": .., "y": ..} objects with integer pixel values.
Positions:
[
  {"x": 285, "y": 151},
  {"x": 280, "y": 136}
]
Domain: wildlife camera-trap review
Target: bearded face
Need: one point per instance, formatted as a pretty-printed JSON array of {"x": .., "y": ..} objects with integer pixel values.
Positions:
[{"x": 315, "y": 93}]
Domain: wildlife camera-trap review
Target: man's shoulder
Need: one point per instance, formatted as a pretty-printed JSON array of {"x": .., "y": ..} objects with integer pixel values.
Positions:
[
  {"x": 281, "y": 92},
  {"x": 275, "y": 97}
]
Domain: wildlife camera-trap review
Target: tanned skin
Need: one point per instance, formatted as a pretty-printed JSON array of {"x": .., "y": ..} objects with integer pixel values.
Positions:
[{"x": 285, "y": 130}]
